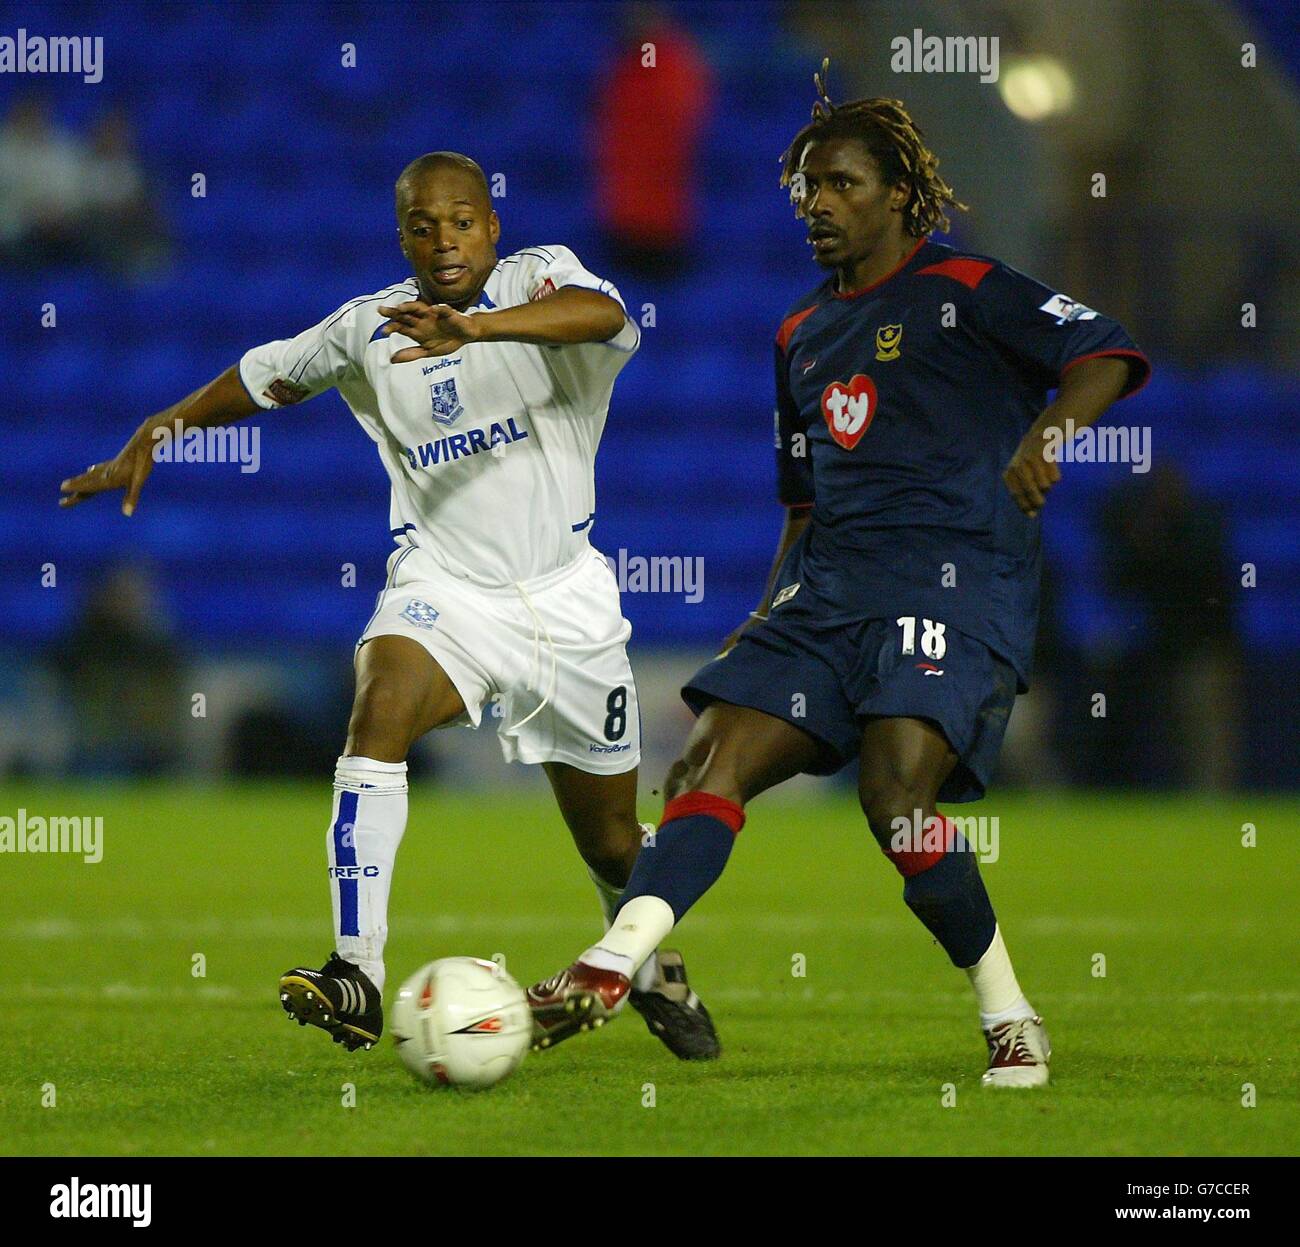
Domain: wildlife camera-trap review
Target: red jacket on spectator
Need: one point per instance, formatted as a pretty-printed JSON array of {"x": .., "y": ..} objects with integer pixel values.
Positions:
[{"x": 648, "y": 119}]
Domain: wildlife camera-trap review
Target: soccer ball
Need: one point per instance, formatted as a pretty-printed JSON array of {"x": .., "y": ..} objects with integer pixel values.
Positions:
[{"x": 461, "y": 1022}]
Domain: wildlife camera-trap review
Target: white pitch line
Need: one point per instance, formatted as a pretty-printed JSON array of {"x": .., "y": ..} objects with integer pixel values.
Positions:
[
  {"x": 216, "y": 993},
  {"x": 127, "y": 993},
  {"x": 963, "y": 997},
  {"x": 264, "y": 927}
]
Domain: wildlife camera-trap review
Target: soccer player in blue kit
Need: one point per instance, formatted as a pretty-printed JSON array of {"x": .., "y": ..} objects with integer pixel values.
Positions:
[{"x": 914, "y": 451}]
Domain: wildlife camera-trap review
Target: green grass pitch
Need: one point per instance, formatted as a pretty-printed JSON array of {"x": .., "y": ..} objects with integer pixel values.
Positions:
[{"x": 873, "y": 1050}]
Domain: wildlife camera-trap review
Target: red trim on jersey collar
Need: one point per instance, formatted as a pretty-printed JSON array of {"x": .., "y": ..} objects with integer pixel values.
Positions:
[
  {"x": 791, "y": 323},
  {"x": 903, "y": 263},
  {"x": 968, "y": 272}
]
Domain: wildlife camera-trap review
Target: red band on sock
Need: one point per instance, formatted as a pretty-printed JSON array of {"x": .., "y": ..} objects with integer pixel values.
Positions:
[
  {"x": 934, "y": 844},
  {"x": 705, "y": 803}
]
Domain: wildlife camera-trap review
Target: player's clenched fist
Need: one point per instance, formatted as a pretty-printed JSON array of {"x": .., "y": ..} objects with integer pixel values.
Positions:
[
  {"x": 1030, "y": 474},
  {"x": 438, "y": 329},
  {"x": 128, "y": 470}
]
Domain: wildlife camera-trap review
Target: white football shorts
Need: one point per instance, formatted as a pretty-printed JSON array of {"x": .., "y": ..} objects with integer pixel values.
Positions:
[{"x": 548, "y": 661}]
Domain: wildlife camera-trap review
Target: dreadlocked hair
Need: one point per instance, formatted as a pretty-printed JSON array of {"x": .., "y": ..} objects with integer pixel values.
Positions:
[{"x": 884, "y": 127}]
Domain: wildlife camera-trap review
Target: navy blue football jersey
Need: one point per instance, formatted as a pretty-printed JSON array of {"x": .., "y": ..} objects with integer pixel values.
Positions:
[{"x": 898, "y": 408}]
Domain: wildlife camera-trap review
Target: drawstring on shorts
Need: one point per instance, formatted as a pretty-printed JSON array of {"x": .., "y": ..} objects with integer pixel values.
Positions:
[{"x": 539, "y": 630}]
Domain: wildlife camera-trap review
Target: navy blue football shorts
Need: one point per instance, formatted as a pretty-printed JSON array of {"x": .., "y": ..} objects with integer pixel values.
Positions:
[{"x": 830, "y": 681}]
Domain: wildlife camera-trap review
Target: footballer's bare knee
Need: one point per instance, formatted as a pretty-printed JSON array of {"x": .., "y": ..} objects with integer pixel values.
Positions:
[
  {"x": 885, "y": 802},
  {"x": 401, "y": 693},
  {"x": 888, "y": 791},
  {"x": 608, "y": 844},
  {"x": 600, "y": 812},
  {"x": 707, "y": 765},
  {"x": 903, "y": 764},
  {"x": 382, "y": 724},
  {"x": 677, "y": 781},
  {"x": 613, "y": 868},
  {"x": 736, "y": 753}
]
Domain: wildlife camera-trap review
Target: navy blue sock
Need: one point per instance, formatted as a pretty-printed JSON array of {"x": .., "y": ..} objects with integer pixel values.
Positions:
[
  {"x": 690, "y": 850},
  {"x": 945, "y": 891}
]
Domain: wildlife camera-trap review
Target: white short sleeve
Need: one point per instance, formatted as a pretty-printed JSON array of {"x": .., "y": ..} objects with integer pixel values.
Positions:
[
  {"x": 535, "y": 272},
  {"x": 278, "y": 374}
]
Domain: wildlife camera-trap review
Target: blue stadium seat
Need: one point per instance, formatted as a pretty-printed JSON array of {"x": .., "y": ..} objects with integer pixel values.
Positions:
[{"x": 300, "y": 153}]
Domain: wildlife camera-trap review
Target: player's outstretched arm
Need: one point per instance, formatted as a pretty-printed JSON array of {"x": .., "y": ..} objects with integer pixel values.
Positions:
[
  {"x": 796, "y": 520},
  {"x": 571, "y": 315},
  {"x": 221, "y": 401},
  {"x": 1086, "y": 390}
]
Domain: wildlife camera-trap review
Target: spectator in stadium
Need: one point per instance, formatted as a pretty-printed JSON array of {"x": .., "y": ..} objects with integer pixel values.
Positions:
[
  {"x": 121, "y": 673},
  {"x": 1166, "y": 550},
  {"x": 40, "y": 178},
  {"x": 649, "y": 114},
  {"x": 51, "y": 183},
  {"x": 128, "y": 235}
]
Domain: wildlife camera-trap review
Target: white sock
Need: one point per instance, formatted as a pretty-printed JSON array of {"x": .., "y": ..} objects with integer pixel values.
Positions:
[
  {"x": 367, "y": 826},
  {"x": 996, "y": 990},
  {"x": 644, "y": 979},
  {"x": 638, "y": 929}
]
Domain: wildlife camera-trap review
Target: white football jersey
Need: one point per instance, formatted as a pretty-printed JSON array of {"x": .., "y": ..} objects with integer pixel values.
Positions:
[{"x": 491, "y": 450}]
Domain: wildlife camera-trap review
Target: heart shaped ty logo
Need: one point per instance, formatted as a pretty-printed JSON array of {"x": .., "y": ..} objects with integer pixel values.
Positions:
[{"x": 849, "y": 409}]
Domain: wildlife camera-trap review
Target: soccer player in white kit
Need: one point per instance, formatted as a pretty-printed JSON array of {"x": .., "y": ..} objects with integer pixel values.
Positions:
[{"x": 484, "y": 385}]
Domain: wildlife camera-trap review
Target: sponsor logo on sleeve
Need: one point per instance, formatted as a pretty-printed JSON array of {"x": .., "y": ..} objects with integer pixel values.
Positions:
[
  {"x": 285, "y": 393},
  {"x": 1067, "y": 310}
]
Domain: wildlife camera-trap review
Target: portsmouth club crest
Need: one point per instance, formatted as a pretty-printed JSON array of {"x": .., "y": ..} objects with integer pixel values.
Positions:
[
  {"x": 889, "y": 340},
  {"x": 446, "y": 402}
]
